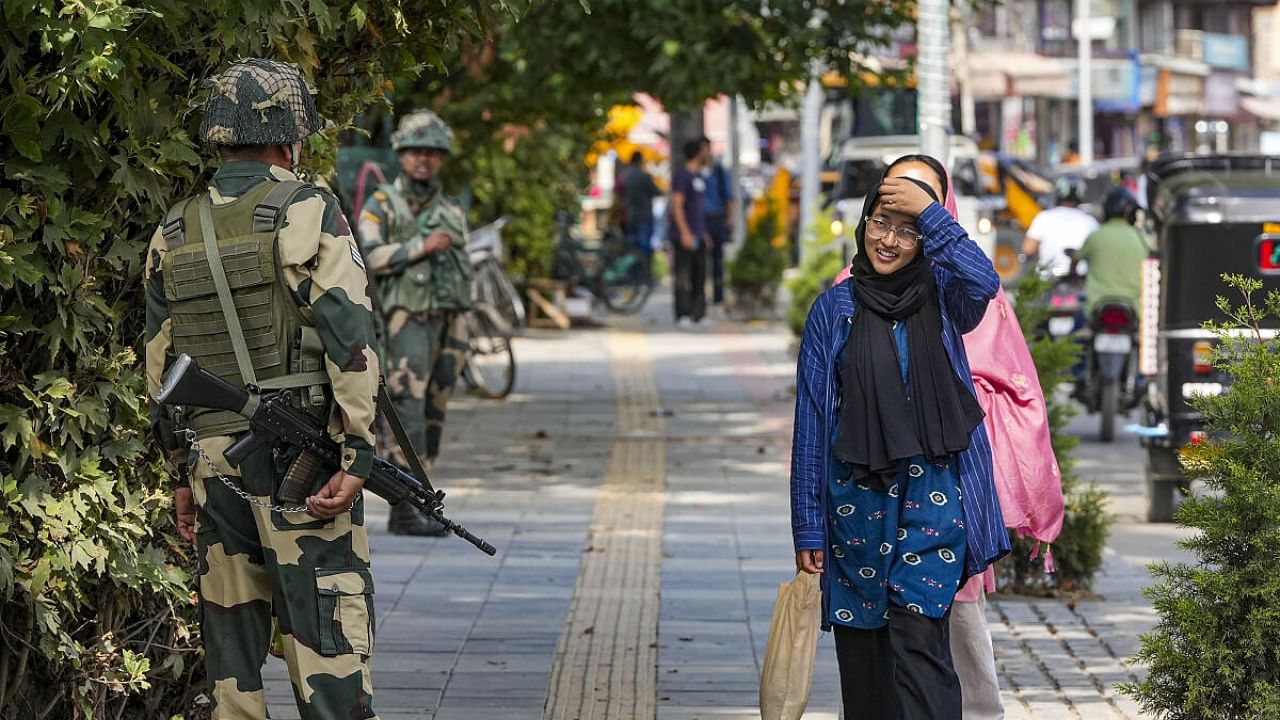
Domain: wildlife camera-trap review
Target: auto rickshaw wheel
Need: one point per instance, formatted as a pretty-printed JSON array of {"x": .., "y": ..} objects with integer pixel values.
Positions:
[
  {"x": 1165, "y": 484},
  {"x": 1006, "y": 262}
]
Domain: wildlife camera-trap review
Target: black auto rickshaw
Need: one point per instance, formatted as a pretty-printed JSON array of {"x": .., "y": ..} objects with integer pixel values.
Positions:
[{"x": 1212, "y": 214}]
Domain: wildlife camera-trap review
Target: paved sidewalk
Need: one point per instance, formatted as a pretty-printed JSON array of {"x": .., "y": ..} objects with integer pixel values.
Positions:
[{"x": 464, "y": 636}]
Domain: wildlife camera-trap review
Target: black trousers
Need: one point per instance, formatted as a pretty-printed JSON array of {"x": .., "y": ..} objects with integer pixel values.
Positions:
[
  {"x": 719, "y": 236},
  {"x": 691, "y": 282},
  {"x": 901, "y": 671}
]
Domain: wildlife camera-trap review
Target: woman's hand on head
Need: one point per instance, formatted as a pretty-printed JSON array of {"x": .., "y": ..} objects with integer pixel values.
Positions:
[
  {"x": 809, "y": 561},
  {"x": 904, "y": 196}
]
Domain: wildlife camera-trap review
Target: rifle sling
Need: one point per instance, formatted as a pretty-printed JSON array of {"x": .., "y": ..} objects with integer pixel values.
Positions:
[
  {"x": 402, "y": 438},
  {"x": 243, "y": 364}
]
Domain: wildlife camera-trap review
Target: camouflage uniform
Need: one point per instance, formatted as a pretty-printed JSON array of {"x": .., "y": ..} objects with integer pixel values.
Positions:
[
  {"x": 422, "y": 296},
  {"x": 255, "y": 564}
]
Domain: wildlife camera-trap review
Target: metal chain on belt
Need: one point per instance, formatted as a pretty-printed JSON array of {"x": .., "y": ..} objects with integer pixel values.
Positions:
[{"x": 234, "y": 487}]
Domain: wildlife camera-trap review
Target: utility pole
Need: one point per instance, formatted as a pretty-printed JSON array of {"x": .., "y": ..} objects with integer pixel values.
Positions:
[
  {"x": 1084, "y": 46},
  {"x": 739, "y": 229},
  {"x": 810, "y": 159},
  {"x": 933, "y": 37},
  {"x": 960, "y": 29}
]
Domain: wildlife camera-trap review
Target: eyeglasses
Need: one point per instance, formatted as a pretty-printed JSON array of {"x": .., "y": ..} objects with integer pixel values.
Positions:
[{"x": 878, "y": 229}]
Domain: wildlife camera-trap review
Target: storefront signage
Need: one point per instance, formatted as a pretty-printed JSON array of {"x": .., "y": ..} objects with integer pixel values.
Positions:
[
  {"x": 1228, "y": 52},
  {"x": 1178, "y": 94},
  {"x": 1116, "y": 82},
  {"x": 1221, "y": 98}
]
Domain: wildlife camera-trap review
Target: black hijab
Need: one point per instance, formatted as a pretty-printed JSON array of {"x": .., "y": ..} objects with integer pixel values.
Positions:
[{"x": 881, "y": 425}]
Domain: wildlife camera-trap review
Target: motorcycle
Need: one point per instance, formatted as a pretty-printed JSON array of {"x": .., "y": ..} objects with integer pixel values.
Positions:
[{"x": 1110, "y": 384}]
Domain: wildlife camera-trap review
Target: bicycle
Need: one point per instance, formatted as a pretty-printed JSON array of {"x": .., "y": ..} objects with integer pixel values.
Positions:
[
  {"x": 491, "y": 285},
  {"x": 489, "y": 365},
  {"x": 616, "y": 273}
]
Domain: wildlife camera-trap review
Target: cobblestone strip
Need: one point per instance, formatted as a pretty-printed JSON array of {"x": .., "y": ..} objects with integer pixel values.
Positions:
[
  {"x": 1056, "y": 665},
  {"x": 606, "y": 662}
]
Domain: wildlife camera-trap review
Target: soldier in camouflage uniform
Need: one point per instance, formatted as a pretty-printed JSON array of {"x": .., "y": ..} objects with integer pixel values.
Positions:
[
  {"x": 414, "y": 240},
  {"x": 261, "y": 281}
]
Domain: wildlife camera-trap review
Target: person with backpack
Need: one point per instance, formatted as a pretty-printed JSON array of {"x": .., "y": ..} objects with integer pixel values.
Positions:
[{"x": 259, "y": 280}]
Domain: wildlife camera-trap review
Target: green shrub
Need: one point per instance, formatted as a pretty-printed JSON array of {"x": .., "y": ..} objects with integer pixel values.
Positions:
[
  {"x": 821, "y": 260},
  {"x": 756, "y": 271},
  {"x": 1215, "y": 651},
  {"x": 96, "y": 139},
  {"x": 1078, "y": 550}
]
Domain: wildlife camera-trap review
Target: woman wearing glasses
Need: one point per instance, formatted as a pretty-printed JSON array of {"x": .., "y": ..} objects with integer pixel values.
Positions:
[{"x": 892, "y": 495}]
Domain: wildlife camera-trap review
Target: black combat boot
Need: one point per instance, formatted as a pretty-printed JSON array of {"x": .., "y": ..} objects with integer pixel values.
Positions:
[{"x": 406, "y": 520}]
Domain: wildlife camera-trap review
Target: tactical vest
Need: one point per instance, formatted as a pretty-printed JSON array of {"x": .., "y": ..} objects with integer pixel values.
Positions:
[
  {"x": 229, "y": 305},
  {"x": 440, "y": 281}
]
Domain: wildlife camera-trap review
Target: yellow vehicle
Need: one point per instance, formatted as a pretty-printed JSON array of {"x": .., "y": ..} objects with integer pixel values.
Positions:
[{"x": 1022, "y": 187}]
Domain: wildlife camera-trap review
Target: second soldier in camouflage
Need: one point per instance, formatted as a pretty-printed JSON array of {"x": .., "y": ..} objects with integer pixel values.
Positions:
[{"x": 414, "y": 237}]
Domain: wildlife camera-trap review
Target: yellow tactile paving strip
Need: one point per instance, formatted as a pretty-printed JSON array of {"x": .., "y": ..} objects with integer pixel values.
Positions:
[{"x": 606, "y": 662}]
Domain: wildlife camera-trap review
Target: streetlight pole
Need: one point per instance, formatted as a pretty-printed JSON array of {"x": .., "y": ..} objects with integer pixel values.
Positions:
[
  {"x": 1084, "y": 46},
  {"x": 933, "y": 70}
]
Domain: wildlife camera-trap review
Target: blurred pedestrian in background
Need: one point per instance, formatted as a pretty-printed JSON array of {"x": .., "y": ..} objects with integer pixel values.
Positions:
[
  {"x": 717, "y": 203},
  {"x": 638, "y": 192},
  {"x": 688, "y": 233}
]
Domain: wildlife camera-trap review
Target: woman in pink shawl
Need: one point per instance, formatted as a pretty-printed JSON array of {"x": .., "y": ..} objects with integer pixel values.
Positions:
[{"x": 1027, "y": 482}]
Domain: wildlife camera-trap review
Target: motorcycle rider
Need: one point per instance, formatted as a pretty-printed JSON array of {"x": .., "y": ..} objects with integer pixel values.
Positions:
[
  {"x": 1115, "y": 253},
  {"x": 1058, "y": 229}
]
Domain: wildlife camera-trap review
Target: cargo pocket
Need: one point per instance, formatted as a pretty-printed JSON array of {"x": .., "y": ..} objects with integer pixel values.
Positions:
[{"x": 345, "y": 600}]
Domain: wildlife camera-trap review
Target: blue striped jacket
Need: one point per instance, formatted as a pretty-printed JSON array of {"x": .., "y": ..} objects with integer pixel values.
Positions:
[{"x": 967, "y": 282}]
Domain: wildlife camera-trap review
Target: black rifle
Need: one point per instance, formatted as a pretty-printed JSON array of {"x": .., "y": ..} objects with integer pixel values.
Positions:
[{"x": 275, "y": 420}]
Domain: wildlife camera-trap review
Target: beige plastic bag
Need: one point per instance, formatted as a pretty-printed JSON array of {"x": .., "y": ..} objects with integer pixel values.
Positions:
[{"x": 792, "y": 649}]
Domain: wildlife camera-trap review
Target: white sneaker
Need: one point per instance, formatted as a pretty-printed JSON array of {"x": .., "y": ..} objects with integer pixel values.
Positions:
[{"x": 685, "y": 322}]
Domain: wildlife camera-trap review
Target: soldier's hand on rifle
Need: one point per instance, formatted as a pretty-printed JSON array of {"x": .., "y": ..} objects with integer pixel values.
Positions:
[
  {"x": 335, "y": 497},
  {"x": 184, "y": 504},
  {"x": 436, "y": 241}
]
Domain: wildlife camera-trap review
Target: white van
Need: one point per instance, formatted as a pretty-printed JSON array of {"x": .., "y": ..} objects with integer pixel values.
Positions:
[{"x": 864, "y": 159}]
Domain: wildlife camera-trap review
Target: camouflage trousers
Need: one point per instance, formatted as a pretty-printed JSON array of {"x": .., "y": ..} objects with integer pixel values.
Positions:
[
  {"x": 424, "y": 358},
  {"x": 311, "y": 576}
]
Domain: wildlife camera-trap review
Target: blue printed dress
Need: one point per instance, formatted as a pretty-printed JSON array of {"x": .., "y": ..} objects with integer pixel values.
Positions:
[{"x": 905, "y": 546}]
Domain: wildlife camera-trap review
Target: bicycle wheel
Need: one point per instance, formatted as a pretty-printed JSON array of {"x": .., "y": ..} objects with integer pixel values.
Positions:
[
  {"x": 491, "y": 361},
  {"x": 626, "y": 279}
]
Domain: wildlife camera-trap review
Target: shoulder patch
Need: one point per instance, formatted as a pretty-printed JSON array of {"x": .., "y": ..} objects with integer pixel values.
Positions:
[
  {"x": 371, "y": 217},
  {"x": 355, "y": 254},
  {"x": 382, "y": 197}
]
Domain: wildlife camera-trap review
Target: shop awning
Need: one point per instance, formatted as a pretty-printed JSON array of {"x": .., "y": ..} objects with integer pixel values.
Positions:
[
  {"x": 1267, "y": 108},
  {"x": 994, "y": 75}
]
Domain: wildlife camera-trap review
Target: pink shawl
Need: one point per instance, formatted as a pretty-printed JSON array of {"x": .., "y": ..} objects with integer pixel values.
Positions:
[{"x": 1008, "y": 388}]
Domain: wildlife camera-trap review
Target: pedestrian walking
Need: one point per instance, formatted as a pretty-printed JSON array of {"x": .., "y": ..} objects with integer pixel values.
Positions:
[
  {"x": 888, "y": 439},
  {"x": 718, "y": 204},
  {"x": 260, "y": 280},
  {"x": 639, "y": 190},
  {"x": 1028, "y": 483},
  {"x": 688, "y": 234},
  {"x": 415, "y": 239}
]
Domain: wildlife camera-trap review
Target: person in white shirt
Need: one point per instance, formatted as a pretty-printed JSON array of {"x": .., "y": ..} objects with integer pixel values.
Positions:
[{"x": 1055, "y": 231}]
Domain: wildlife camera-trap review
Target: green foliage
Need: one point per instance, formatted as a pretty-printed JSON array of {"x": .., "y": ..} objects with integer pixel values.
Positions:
[
  {"x": 821, "y": 259},
  {"x": 1078, "y": 550},
  {"x": 756, "y": 271},
  {"x": 1215, "y": 650},
  {"x": 686, "y": 51},
  {"x": 96, "y": 128}
]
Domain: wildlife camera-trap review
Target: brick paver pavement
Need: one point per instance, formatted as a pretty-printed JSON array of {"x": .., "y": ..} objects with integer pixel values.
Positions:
[{"x": 463, "y": 636}]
